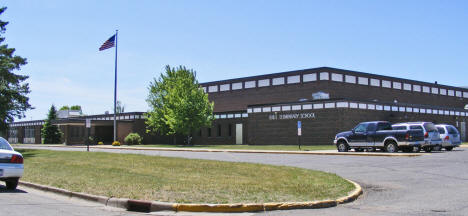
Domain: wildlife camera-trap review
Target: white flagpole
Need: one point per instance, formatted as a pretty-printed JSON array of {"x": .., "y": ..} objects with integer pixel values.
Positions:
[{"x": 115, "y": 88}]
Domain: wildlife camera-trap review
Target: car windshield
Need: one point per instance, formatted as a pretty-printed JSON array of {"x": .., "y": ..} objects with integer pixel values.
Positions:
[
  {"x": 4, "y": 144},
  {"x": 441, "y": 130},
  {"x": 452, "y": 130},
  {"x": 430, "y": 127}
]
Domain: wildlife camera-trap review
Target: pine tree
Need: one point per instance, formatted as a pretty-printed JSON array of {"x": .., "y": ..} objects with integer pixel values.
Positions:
[
  {"x": 50, "y": 132},
  {"x": 13, "y": 89}
]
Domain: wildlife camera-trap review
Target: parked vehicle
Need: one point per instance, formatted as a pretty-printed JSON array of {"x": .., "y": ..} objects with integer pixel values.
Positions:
[
  {"x": 378, "y": 135},
  {"x": 11, "y": 165},
  {"x": 449, "y": 135},
  {"x": 432, "y": 139}
]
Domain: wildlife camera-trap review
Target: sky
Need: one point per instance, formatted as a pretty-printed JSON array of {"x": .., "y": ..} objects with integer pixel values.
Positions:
[{"x": 420, "y": 40}]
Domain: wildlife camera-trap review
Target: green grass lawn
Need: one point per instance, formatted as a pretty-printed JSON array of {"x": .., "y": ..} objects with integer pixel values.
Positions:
[
  {"x": 249, "y": 147},
  {"x": 177, "y": 179}
]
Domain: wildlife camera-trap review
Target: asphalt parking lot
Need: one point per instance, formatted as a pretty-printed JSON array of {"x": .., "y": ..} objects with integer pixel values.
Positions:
[{"x": 433, "y": 184}]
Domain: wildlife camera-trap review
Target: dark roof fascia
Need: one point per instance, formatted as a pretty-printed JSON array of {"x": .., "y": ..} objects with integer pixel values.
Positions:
[{"x": 329, "y": 69}]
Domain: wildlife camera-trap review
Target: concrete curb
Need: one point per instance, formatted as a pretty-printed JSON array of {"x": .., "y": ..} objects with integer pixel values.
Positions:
[
  {"x": 151, "y": 206},
  {"x": 374, "y": 154}
]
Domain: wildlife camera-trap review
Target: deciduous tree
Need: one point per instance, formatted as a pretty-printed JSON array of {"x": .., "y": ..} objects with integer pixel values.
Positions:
[{"x": 178, "y": 105}]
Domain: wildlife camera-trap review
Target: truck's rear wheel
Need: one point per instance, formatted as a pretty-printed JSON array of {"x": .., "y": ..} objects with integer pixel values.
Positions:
[
  {"x": 342, "y": 146},
  {"x": 391, "y": 147}
]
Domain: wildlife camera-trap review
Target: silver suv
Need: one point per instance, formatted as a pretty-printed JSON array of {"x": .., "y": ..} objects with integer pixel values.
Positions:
[
  {"x": 449, "y": 135},
  {"x": 432, "y": 139}
]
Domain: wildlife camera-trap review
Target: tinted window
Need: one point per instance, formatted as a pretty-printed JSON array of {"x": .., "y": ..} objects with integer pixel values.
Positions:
[
  {"x": 4, "y": 144},
  {"x": 371, "y": 127},
  {"x": 360, "y": 128},
  {"x": 430, "y": 127},
  {"x": 415, "y": 127},
  {"x": 399, "y": 127},
  {"x": 441, "y": 130},
  {"x": 452, "y": 130},
  {"x": 384, "y": 126}
]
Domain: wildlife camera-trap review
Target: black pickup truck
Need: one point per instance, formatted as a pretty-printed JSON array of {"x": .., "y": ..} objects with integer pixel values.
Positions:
[{"x": 378, "y": 135}]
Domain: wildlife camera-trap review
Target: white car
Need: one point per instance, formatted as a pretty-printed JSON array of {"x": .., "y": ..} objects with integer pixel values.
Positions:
[
  {"x": 11, "y": 165},
  {"x": 449, "y": 135},
  {"x": 432, "y": 139}
]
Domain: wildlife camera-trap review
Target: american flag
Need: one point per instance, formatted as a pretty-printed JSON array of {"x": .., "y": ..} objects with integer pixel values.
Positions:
[{"x": 108, "y": 44}]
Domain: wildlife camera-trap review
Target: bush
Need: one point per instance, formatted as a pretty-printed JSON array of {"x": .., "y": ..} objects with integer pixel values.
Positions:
[
  {"x": 116, "y": 143},
  {"x": 100, "y": 143},
  {"x": 133, "y": 139}
]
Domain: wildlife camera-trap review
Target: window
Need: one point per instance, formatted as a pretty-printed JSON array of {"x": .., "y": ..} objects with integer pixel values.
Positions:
[
  {"x": 426, "y": 89},
  {"x": 458, "y": 93},
  {"x": 230, "y": 130},
  {"x": 417, "y": 88},
  {"x": 324, "y": 76},
  {"x": 396, "y": 85},
  {"x": 399, "y": 127},
  {"x": 363, "y": 81},
  {"x": 441, "y": 130},
  {"x": 257, "y": 109},
  {"x": 296, "y": 107},
  {"x": 307, "y": 106},
  {"x": 341, "y": 104},
  {"x": 266, "y": 109},
  {"x": 236, "y": 86},
  {"x": 219, "y": 130},
  {"x": 435, "y": 91},
  {"x": 309, "y": 77},
  {"x": 374, "y": 82},
  {"x": 415, "y": 127},
  {"x": 249, "y": 84},
  {"x": 278, "y": 81},
  {"x": 318, "y": 106},
  {"x": 350, "y": 79},
  {"x": 294, "y": 79},
  {"x": 264, "y": 82},
  {"x": 276, "y": 109},
  {"x": 407, "y": 87},
  {"x": 384, "y": 126},
  {"x": 386, "y": 84},
  {"x": 337, "y": 77},
  {"x": 360, "y": 128},
  {"x": 213, "y": 88},
  {"x": 286, "y": 108},
  {"x": 224, "y": 87},
  {"x": 443, "y": 91},
  {"x": 451, "y": 93},
  {"x": 329, "y": 105}
]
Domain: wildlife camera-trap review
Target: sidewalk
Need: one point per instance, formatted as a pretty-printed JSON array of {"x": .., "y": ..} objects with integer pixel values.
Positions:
[{"x": 317, "y": 152}]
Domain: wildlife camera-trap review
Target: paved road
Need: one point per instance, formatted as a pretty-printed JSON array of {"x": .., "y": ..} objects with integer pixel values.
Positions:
[
  {"x": 26, "y": 201},
  {"x": 435, "y": 184}
]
